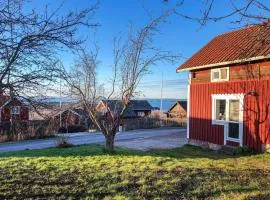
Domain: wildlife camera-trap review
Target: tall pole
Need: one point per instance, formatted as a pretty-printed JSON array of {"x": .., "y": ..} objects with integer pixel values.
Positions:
[
  {"x": 161, "y": 93},
  {"x": 60, "y": 103}
]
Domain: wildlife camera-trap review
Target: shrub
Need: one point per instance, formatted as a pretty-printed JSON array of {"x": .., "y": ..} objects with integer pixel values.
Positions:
[
  {"x": 63, "y": 143},
  {"x": 242, "y": 150},
  {"x": 76, "y": 128},
  {"x": 72, "y": 129},
  {"x": 62, "y": 130}
]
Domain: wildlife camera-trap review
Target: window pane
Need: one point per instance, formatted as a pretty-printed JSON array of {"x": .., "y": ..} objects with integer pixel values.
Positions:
[
  {"x": 220, "y": 109},
  {"x": 193, "y": 74},
  {"x": 15, "y": 110},
  {"x": 215, "y": 75},
  {"x": 234, "y": 106},
  {"x": 223, "y": 73},
  {"x": 234, "y": 130}
]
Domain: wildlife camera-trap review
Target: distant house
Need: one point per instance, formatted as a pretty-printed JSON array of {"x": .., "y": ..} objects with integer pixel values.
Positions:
[
  {"x": 72, "y": 116},
  {"x": 13, "y": 109},
  {"x": 178, "y": 110},
  {"x": 228, "y": 91},
  {"x": 45, "y": 112},
  {"x": 155, "y": 108},
  {"x": 136, "y": 108}
]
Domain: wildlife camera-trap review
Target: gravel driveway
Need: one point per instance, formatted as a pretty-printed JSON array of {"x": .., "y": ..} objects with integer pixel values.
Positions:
[{"x": 136, "y": 139}]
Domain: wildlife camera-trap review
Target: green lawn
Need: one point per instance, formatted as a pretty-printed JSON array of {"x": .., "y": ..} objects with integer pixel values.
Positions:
[{"x": 89, "y": 172}]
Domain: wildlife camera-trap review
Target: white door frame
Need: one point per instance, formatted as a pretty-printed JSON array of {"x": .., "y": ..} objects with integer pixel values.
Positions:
[{"x": 225, "y": 123}]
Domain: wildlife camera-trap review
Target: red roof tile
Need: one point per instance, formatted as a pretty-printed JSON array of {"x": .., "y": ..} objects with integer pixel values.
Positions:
[{"x": 245, "y": 43}]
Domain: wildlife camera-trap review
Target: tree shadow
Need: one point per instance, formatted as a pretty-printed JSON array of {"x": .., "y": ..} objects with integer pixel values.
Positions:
[{"x": 185, "y": 152}]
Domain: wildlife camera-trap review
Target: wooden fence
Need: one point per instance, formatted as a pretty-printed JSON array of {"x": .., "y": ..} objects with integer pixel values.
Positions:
[
  {"x": 148, "y": 123},
  {"x": 23, "y": 130}
]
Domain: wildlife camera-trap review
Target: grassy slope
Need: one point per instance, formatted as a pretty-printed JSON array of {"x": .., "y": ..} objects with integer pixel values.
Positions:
[{"x": 87, "y": 171}]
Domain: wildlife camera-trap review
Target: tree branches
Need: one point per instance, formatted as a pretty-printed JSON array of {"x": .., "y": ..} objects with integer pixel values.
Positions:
[
  {"x": 133, "y": 57},
  {"x": 244, "y": 11},
  {"x": 30, "y": 41}
]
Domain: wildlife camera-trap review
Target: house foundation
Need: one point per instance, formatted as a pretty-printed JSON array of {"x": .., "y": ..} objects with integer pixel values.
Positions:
[
  {"x": 266, "y": 148},
  {"x": 205, "y": 144}
]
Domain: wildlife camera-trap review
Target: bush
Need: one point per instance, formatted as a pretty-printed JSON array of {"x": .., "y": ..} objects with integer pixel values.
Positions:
[
  {"x": 76, "y": 128},
  {"x": 242, "y": 150},
  {"x": 63, "y": 143},
  {"x": 62, "y": 130}
]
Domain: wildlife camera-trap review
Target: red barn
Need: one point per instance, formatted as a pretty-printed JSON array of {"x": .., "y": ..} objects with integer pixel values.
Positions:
[
  {"x": 12, "y": 109},
  {"x": 229, "y": 90}
]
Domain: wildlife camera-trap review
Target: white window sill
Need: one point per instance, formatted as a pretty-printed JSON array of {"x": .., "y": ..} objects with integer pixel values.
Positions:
[
  {"x": 233, "y": 139},
  {"x": 218, "y": 122},
  {"x": 219, "y": 80}
]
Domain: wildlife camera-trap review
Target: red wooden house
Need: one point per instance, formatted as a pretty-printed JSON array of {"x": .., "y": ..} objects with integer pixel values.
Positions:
[
  {"x": 229, "y": 90},
  {"x": 12, "y": 109}
]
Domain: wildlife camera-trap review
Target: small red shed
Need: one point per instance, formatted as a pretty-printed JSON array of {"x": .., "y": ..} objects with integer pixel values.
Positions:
[
  {"x": 12, "y": 109},
  {"x": 229, "y": 90}
]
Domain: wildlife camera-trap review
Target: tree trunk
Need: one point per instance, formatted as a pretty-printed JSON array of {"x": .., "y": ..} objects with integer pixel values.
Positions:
[{"x": 110, "y": 142}]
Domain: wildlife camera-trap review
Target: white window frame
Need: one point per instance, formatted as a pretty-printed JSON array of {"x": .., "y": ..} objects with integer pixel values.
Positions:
[
  {"x": 141, "y": 114},
  {"x": 219, "y": 71},
  {"x": 18, "y": 108},
  {"x": 226, "y": 122}
]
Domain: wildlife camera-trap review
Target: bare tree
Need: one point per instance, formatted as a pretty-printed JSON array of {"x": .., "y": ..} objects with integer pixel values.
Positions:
[
  {"x": 237, "y": 12},
  {"x": 30, "y": 42},
  {"x": 132, "y": 60}
]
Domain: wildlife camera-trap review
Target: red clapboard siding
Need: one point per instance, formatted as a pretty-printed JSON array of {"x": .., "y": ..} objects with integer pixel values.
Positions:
[
  {"x": 24, "y": 113},
  {"x": 200, "y": 115},
  {"x": 5, "y": 115}
]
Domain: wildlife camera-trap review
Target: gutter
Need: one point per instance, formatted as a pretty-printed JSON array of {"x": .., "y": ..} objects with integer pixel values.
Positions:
[{"x": 225, "y": 63}]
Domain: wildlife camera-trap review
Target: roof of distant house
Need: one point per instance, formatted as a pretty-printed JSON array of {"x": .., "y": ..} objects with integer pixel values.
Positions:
[
  {"x": 183, "y": 104},
  {"x": 77, "y": 111},
  {"x": 134, "y": 105},
  {"x": 242, "y": 45}
]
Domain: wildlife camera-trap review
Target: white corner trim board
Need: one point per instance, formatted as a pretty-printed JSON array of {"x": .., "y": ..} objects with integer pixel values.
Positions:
[{"x": 188, "y": 109}]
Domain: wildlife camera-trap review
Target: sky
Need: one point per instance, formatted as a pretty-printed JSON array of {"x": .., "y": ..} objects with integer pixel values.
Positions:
[{"x": 182, "y": 36}]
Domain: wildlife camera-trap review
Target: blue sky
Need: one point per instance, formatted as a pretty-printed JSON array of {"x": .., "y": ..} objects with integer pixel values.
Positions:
[{"x": 179, "y": 35}]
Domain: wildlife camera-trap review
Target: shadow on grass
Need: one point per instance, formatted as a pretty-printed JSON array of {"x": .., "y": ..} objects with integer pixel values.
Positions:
[{"x": 184, "y": 152}]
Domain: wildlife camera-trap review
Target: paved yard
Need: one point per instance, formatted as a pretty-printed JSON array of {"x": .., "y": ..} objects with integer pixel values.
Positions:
[
  {"x": 171, "y": 139},
  {"x": 137, "y": 139}
]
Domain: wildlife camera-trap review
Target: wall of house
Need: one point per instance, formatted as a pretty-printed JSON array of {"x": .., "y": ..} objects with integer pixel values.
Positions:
[
  {"x": 6, "y": 112},
  {"x": 101, "y": 108},
  {"x": 68, "y": 118},
  {"x": 177, "y": 111},
  {"x": 237, "y": 72},
  {"x": 200, "y": 124},
  {"x": 146, "y": 113}
]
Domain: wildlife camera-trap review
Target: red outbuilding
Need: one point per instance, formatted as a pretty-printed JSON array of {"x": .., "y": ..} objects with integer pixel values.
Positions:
[
  {"x": 229, "y": 90},
  {"x": 12, "y": 109}
]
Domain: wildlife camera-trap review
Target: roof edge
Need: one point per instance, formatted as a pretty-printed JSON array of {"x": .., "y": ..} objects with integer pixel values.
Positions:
[{"x": 224, "y": 63}]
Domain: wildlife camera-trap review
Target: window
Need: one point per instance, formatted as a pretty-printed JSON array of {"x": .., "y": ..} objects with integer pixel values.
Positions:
[
  {"x": 220, "y": 110},
  {"x": 227, "y": 110},
  {"x": 234, "y": 113},
  {"x": 193, "y": 74},
  {"x": 141, "y": 114},
  {"x": 233, "y": 130},
  {"x": 15, "y": 110},
  {"x": 220, "y": 74},
  {"x": 234, "y": 110}
]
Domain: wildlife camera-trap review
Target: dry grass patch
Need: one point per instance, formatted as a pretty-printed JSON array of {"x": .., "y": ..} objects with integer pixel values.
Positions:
[{"x": 89, "y": 172}]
